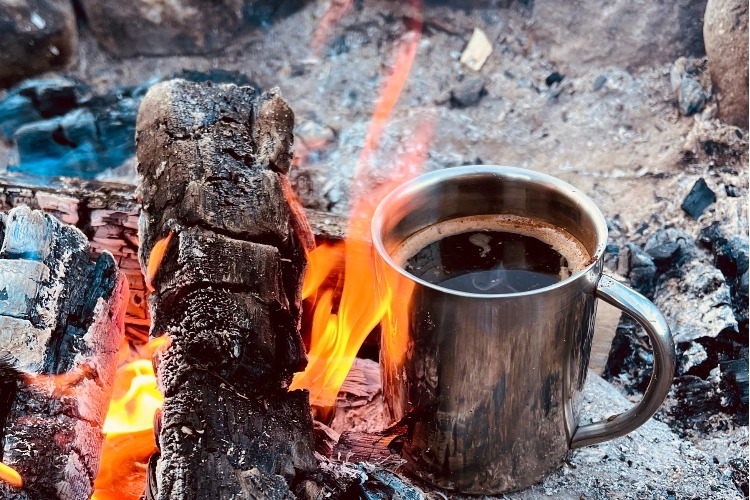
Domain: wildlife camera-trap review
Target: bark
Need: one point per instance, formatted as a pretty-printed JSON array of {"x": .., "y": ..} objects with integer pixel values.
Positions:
[
  {"x": 212, "y": 162},
  {"x": 61, "y": 327},
  {"x": 108, "y": 214}
]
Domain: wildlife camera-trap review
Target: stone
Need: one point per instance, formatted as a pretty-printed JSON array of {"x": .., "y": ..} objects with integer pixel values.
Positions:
[
  {"x": 35, "y": 36},
  {"x": 725, "y": 33},
  {"x": 468, "y": 93},
  {"x": 146, "y": 27},
  {"x": 698, "y": 199},
  {"x": 624, "y": 33}
]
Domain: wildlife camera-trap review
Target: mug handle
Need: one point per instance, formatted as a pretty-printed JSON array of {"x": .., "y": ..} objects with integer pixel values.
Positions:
[{"x": 649, "y": 317}]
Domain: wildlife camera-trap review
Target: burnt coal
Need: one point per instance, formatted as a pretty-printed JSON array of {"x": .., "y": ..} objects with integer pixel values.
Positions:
[
  {"x": 37, "y": 99},
  {"x": 734, "y": 384},
  {"x": 670, "y": 249},
  {"x": 732, "y": 191},
  {"x": 697, "y": 398},
  {"x": 60, "y": 129},
  {"x": 698, "y": 199},
  {"x": 731, "y": 257},
  {"x": 711, "y": 376},
  {"x": 639, "y": 268},
  {"x": 630, "y": 359},
  {"x": 599, "y": 82},
  {"x": 553, "y": 78},
  {"x": 691, "y": 98}
]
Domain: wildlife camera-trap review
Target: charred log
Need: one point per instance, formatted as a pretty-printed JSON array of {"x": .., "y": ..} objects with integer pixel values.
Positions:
[
  {"x": 108, "y": 214},
  {"x": 62, "y": 322},
  {"x": 212, "y": 164}
]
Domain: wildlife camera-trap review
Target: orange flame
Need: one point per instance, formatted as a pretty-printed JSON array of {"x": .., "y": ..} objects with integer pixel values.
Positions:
[
  {"x": 129, "y": 428},
  {"x": 10, "y": 476},
  {"x": 345, "y": 313},
  {"x": 155, "y": 258}
]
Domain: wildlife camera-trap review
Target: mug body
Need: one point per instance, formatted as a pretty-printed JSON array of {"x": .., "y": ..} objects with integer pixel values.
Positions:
[{"x": 488, "y": 384}]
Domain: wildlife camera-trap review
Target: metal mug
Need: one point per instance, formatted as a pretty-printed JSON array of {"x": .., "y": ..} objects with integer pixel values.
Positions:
[{"x": 490, "y": 385}]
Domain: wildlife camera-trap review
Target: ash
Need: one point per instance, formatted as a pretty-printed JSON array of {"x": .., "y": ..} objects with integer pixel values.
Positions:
[{"x": 626, "y": 111}]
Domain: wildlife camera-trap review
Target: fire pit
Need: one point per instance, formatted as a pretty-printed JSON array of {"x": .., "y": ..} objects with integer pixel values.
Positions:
[{"x": 250, "y": 361}]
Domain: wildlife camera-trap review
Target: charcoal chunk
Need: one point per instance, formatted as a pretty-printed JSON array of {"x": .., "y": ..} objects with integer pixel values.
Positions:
[
  {"x": 698, "y": 199},
  {"x": 639, "y": 269},
  {"x": 553, "y": 78},
  {"x": 670, "y": 249},
  {"x": 691, "y": 97}
]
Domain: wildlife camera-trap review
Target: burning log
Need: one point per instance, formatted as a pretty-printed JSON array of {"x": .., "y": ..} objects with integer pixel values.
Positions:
[
  {"x": 108, "y": 213},
  {"x": 62, "y": 322},
  {"x": 212, "y": 164}
]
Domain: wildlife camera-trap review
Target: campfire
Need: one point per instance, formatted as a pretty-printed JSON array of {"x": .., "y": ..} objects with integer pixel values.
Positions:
[{"x": 191, "y": 304}]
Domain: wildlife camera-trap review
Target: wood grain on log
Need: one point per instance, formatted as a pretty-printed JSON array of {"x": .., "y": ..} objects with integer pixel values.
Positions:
[
  {"x": 212, "y": 163},
  {"x": 108, "y": 214},
  {"x": 61, "y": 323}
]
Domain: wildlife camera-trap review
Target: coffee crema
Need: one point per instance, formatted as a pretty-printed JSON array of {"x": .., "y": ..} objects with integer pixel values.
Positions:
[{"x": 492, "y": 254}]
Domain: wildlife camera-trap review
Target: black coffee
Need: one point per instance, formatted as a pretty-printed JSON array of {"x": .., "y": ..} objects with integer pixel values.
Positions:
[{"x": 495, "y": 261}]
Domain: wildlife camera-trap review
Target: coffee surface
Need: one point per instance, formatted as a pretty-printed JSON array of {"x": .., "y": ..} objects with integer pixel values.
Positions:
[{"x": 498, "y": 254}]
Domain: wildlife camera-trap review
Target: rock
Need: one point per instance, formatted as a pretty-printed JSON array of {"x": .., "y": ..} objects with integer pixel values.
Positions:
[
  {"x": 145, "y": 27},
  {"x": 725, "y": 32},
  {"x": 35, "y": 36},
  {"x": 698, "y": 199},
  {"x": 691, "y": 98},
  {"x": 618, "y": 33},
  {"x": 468, "y": 93}
]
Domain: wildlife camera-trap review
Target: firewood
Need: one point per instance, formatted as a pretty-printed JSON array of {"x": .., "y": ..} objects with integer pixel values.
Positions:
[
  {"x": 107, "y": 213},
  {"x": 212, "y": 162},
  {"x": 61, "y": 318}
]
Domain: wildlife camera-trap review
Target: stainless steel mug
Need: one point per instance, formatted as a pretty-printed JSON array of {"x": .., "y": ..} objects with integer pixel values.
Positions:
[{"x": 490, "y": 385}]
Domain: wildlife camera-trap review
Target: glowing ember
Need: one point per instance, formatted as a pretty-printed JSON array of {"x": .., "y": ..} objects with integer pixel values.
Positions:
[
  {"x": 129, "y": 428},
  {"x": 340, "y": 325},
  {"x": 10, "y": 476}
]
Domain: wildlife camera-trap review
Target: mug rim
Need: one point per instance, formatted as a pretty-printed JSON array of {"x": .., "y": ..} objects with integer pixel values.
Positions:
[{"x": 522, "y": 174}]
